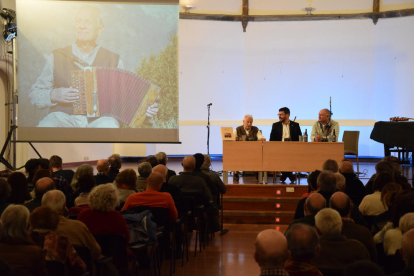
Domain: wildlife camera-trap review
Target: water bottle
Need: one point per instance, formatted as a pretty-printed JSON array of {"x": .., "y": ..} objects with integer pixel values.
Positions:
[{"x": 334, "y": 136}]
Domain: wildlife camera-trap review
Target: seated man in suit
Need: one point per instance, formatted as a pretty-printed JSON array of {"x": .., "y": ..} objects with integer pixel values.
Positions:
[
  {"x": 324, "y": 126},
  {"x": 247, "y": 132},
  {"x": 285, "y": 130},
  {"x": 56, "y": 164}
]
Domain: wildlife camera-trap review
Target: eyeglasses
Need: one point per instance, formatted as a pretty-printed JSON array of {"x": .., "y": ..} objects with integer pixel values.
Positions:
[{"x": 281, "y": 115}]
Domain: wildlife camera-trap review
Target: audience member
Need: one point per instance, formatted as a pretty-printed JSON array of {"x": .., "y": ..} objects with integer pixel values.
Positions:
[
  {"x": 303, "y": 245},
  {"x": 363, "y": 268},
  {"x": 313, "y": 204},
  {"x": 151, "y": 197},
  {"x": 354, "y": 187},
  {"x": 23, "y": 256},
  {"x": 371, "y": 205},
  {"x": 173, "y": 190},
  {"x": 152, "y": 160},
  {"x": 56, "y": 165},
  {"x": 85, "y": 183},
  {"x": 382, "y": 166},
  {"x": 60, "y": 182},
  {"x": 102, "y": 166},
  {"x": 5, "y": 191},
  {"x": 126, "y": 182},
  {"x": 31, "y": 167},
  {"x": 144, "y": 170},
  {"x": 76, "y": 231},
  {"x": 162, "y": 160},
  {"x": 340, "y": 202},
  {"x": 19, "y": 189},
  {"x": 312, "y": 183},
  {"x": 199, "y": 160},
  {"x": 115, "y": 164},
  {"x": 337, "y": 251},
  {"x": 42, "y": 186},
  {"x": 205, "y": 168},
  {"x": 271, "y": 252},
  {"x": 387, "y": 198},
  {"x": 340, "y": 182},
  {"x": 81, "y": 170},
  {"x": 399, "y": 178},
  {"x": 330, "y": 165},
  {"x": 189, "y": 183},
  {"x": 407, "y": 251},
  {"x": 102, "y": 218},
  {"x": 390, "y": 234},
  {"x": 43, "y": 224}
]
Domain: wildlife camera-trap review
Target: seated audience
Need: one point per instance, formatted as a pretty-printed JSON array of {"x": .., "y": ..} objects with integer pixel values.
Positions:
[
  {"x": 407, "y": 251},
  {"x": 189, "y": 183},
  {"x": 205, "y": 168},
  {"x": 115, "y": 164},
  {"x": 390, "y": 234},
  {"x": 303, "y": 245},
  {"x": 313, "y": 204},
  {"x": 271, "y": 252},
  {"x": 399, "y": 178},
  {"x": 102, "y": 218},
  {"x": 199, "y": 160},
  {"x": 42, "y": 186},
  {"x": 19, "y": 189},
  {"x": 340, "y": 182},
  {"x": 102, "y": 166},
  {"x": 76, "y": 231},
  {"x": 371, "y": 205},
  {"x": 23, "y": 256},
  {"x": 31, "y": 168},
  {"x": 387, "y": 197},
  {"x": 43, "y": 224},
  {"x": 151, "y": 197},
  {"x": 56, "y": 165},
  {"x": 126, "y": 182},
  {"x": 144, "y": 170},
  {"x": 152, "y": 160},
  {"x": 337, "y": 251},
  {"x": 363, "y": 268},
  {"x": 340, "y": 202},
  {"x": 330, "y": 165},
  {"x": 312, "y": 185},
  {"x": 4, "y": 194},
  {"x": 60, "y": 182},
  {"x": 382, "y": 166},
  {"x": 162, "y": 160},
  {"x": 86, "y": 182},
  {"x": 354, "y": 188},
  {"x": 81, "y": 170}
]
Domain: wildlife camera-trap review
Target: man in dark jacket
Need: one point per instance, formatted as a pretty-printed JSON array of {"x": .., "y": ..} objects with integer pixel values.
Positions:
[{"x": 354, "y": 187}]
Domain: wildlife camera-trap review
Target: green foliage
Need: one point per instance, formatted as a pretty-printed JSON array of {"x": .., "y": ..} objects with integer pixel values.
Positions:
[{"x": 162, "y": 70}]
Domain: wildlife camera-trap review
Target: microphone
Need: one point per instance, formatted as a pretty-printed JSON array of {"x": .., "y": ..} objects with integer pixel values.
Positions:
[
  {"x": 8, "y": 14},
  {"x": 294, "y": 119},
  {"x": 210, "y": 104}
]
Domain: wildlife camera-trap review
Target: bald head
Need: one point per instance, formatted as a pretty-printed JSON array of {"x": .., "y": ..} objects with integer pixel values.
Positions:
[
  {"x": 43, "y": 185},
  {"x": 303, "y": 242},
  {"x": 188, "y": 163},
  {"x": 346, "y": 167},
  {"x": 154, "y": 182},
  {"x": 162, "y": 170},
  {"x": 314, "y": 203},
  {"x": 271, "y": 249},
  {"x": 407, "y": 248},
  {"x": 340, "y": 202},
  {"x": 102, "y": 166}
]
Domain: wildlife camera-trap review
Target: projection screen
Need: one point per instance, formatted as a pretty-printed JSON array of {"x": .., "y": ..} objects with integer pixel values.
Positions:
[{"x": 97, "y": 71}]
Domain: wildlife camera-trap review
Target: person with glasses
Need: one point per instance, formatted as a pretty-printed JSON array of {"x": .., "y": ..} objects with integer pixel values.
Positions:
[{"x": 285, "y": 130}]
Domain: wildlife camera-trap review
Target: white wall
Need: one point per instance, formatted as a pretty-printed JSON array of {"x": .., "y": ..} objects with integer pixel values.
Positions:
[{"x": 366, "y": 69}]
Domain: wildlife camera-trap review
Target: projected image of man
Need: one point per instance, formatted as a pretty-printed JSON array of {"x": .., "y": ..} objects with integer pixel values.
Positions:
[{"x": 53, "y": 87}]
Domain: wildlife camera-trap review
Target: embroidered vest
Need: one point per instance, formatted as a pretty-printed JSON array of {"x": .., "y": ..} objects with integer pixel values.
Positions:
[{"x": 252, "y": 133}]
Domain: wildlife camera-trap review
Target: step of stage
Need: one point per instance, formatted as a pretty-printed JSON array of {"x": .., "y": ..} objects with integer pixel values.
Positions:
[
  {"x": 260, "y": 203},
  {"x": 267, "y": 190},
  {"x": 258, "y": 217}
]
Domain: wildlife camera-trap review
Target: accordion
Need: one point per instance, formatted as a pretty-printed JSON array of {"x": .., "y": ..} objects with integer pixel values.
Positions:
[{"x": 113, "y": 92}]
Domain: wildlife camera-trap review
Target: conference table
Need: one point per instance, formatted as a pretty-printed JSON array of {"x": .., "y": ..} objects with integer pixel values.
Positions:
[{"x": 278, "y": 156}]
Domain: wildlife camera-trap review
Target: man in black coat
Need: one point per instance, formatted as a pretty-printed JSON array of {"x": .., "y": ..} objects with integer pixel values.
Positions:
[
  {"x": 285, "y": 130},
  {"x": 103, "y": 169},
  {"x": 56, "y": 164}
]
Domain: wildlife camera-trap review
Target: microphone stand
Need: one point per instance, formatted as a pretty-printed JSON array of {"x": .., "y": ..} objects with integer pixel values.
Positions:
[{"x": 208, "y": 129}]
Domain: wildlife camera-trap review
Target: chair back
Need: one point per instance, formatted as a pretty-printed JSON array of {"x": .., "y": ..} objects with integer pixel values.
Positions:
[
  {"x": 85, "y": 254},
  {"x": 159, "y": 214},
  {"x": 199, "y": 199},
  {"x": 55, "y": 268},
  {"x": 114, "y": 245},
  {"x": 351, "y": 139}
]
